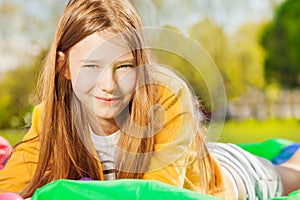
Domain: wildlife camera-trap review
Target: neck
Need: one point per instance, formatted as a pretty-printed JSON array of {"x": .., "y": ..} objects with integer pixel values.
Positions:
[
  {"x": 106, "y": 126},
  {"x": 102, "y": 126}
]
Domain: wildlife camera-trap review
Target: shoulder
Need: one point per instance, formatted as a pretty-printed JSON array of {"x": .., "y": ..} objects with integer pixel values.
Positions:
[
  {"x": 35, "y": 122},
  {"x": 174, "y": 89},
  {"x": 37, "y": 114},
  {"x": 168, "y": 77},
  {"x": 176, "y": 109}
]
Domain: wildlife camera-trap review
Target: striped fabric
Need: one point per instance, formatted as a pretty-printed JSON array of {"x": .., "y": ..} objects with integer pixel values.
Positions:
[
  {"x": 253, "y": 175},
  {"x": 106, "y": 148}
]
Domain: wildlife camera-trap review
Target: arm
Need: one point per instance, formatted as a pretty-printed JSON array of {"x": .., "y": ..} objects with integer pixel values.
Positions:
[
  {"x": 290, "y": 173},
  {"x": 179, "y": 158},
  {"x": 173, "y": 141},
  {"x": 176, "y": 158}
]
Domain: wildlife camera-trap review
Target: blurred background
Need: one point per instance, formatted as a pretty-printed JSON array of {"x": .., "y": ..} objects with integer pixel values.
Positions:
[{"x": 254, "y": 43}]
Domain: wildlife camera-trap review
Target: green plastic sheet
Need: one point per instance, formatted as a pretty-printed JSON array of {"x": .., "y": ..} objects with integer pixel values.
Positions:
[
  {"x": 134, "y": 189},
  {"x": 292, "y": 196},
  {"x": 123, "y": 189},
  {"x": 267, "y": 149}
]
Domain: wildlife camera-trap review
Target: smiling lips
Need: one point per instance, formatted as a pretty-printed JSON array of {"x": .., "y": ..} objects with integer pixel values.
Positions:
[{"x": 106, "y": 100}]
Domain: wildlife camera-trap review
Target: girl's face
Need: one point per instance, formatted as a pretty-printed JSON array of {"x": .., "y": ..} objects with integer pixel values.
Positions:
[{"x": 102, "y": 74}]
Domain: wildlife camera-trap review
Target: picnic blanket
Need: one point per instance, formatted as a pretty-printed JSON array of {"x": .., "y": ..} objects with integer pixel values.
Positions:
[{"x": 121, "y": 189}]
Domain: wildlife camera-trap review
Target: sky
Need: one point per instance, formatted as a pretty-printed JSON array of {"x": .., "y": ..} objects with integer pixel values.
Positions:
[
  {"x": 31, "y": 25},
  {"x": 25, "y": 29},
  {"x": 229, "y": 14}
]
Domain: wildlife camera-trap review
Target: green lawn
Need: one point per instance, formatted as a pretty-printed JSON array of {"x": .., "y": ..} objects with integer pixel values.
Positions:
[
  {"x": 258, "y": 131},
  {"x": 13, "y": 136},
  {"x": 233, "y": 131}
]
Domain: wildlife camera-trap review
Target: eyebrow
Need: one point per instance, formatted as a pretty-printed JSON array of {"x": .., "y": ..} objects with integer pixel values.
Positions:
[
  {"x": 90, "y": 61},
  {"x": 118, "y": 62},
  {"x": 131, "y": 61}
]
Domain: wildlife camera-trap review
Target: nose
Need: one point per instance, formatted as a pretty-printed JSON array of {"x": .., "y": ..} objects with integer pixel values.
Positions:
[{"x": 107, "y": 81}]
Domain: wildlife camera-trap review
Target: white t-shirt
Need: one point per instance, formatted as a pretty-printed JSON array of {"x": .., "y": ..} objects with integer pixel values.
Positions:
[{"x": 106, "y": 148}]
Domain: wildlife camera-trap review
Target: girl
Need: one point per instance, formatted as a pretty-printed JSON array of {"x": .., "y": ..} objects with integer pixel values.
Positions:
[{"x": 107, "y": 112}]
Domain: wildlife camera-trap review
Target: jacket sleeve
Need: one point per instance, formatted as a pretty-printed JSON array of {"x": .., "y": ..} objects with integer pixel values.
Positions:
[
  {"x": 173, "y": 141},
  {"x": 175, "y": 159},
  {"x": 21, "y": 166}
]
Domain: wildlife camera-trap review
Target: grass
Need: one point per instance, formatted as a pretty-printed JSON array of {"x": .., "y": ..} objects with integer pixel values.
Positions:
[
  {"x": 257, "y": 131},
  {"x": 234, "y": 132},
  {"x": 13, "y": 136}
]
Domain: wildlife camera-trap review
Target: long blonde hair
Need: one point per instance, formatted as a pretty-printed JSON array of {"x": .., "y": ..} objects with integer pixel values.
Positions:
[{"x": 62, "y": 143}]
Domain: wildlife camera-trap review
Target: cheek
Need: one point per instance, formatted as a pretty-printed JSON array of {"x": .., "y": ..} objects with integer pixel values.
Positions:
[
  {"x": 83, "y": 81},
  {"x": 127, "y": 82}
]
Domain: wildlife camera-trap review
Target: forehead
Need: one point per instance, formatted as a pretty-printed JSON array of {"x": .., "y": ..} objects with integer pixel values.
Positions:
[{"x": 101, "y": 46}]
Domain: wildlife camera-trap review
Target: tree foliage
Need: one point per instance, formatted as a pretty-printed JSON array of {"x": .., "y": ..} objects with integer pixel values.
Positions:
[
  {"x": 17, "y": 94},
  {"x": 282, "y": 43},
  {"x": 244, "y": 64},
  {"x": 213, "y": 39},
  {"x": 239, "y": 57},
  {"x": 171, "y": 53}
]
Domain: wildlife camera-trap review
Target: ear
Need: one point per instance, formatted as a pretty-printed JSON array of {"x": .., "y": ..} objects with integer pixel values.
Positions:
[{"x": 61, "y": 60}]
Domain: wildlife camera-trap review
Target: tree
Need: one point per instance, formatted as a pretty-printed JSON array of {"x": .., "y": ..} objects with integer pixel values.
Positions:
[
  {"x": 213, "y": 39},
  {"x": 282, "y": 43},
  {"x": 173, "y": 46},
  {"x": 244, "y": 66},
  {"x": 17, "y": 93}
]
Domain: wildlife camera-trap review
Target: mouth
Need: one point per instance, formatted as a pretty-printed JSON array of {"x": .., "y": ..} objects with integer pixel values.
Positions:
[{"x": 107, "y": 100}]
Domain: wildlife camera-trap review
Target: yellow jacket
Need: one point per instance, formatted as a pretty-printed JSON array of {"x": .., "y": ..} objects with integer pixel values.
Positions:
[{"x": 178, "y": 169}]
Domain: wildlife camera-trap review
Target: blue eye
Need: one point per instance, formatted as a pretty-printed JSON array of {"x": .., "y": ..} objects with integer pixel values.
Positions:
[
  {"x": 90, "y": 66},
  {"x": 124, "y": 66}
]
